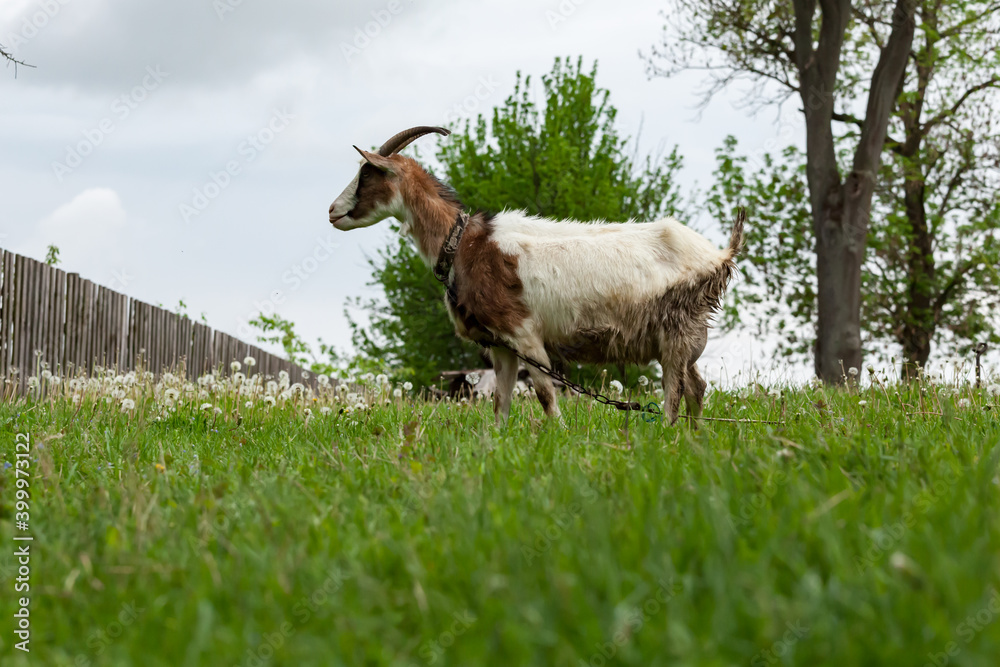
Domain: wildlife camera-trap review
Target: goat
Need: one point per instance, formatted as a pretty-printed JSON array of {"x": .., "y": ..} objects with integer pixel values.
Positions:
[{"x": 578, "y": 291}]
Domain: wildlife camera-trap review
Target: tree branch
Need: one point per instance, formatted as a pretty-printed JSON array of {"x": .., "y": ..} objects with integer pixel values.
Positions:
[
  {"x": 10, "y": 58},
  {"x": 993, "y": 81}
]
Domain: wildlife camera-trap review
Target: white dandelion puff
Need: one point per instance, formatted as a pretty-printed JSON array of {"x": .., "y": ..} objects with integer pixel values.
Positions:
[
  {"x": 472, "y": 378},
  {"x": 128, "y": 405},
  {"x": 615, "y": 385}
]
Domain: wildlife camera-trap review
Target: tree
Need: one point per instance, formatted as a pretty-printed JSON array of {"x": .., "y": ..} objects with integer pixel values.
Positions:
[
  {"x": 800, "y": 49},
  {"x": 939, "y": 183},
  {"x": 930, "y": 270},
  {"x": 561, "y": 159}
]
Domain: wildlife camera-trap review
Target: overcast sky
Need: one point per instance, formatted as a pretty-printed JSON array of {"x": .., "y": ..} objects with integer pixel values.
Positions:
[{"x": 190, "y": 149}]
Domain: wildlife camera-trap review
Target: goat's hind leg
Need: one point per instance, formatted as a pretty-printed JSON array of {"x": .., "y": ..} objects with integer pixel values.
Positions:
[
  {"x": 694, "y": 392},
  {"x": 673, "y": 386}
]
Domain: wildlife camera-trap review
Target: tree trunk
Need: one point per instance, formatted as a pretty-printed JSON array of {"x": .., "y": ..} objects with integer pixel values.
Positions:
[
  {"x": 918, "y": 318},
  {"x": 841, "y": 211}
]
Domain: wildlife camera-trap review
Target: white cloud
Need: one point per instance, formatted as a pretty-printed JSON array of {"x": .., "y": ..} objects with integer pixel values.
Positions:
[{"x": 89, "y": 231}]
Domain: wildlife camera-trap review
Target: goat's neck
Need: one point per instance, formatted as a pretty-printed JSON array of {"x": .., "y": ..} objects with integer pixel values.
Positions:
[{"x": 427, "y": 218}]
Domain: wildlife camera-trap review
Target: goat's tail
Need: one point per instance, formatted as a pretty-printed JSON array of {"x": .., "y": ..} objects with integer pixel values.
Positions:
[
  {"x": 713, "y": 286},
  {"x": 737, "y": 239}
]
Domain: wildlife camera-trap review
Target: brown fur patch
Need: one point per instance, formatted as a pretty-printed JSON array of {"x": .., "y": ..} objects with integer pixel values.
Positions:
[
  {"x": 434, "y": 208},
  {"x": 374, "y": 190},
  {"x": 488, "y": 288}
]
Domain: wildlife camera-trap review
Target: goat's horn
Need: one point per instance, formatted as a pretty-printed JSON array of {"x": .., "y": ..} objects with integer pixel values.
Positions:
[{"x": 406, "y": 137}]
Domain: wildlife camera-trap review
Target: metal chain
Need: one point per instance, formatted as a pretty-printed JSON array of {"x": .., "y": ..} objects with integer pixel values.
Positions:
[{"x": 633, "y": 406}]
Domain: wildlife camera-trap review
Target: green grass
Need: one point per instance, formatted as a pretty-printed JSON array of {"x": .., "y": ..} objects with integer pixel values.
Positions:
[{"x": 850, "y": 535}]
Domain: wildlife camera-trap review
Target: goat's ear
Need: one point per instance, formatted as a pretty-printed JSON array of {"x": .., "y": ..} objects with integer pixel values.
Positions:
[{"x": 378, "y": 161}]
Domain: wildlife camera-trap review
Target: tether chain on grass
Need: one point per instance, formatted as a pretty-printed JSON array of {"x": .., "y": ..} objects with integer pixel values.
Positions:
[{"x": 633, "y": 406}]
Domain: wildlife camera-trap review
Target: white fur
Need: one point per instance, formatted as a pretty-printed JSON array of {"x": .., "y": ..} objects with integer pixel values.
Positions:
[
  {"x": 347, "y": 199},
  {"x": 572, "y": 270}
]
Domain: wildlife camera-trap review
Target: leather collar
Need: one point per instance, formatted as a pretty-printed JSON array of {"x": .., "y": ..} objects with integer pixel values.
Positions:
[{"x": 446, "y": 258}]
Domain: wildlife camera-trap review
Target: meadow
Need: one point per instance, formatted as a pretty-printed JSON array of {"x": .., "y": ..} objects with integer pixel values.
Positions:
[{"x": 231, "y": 522}]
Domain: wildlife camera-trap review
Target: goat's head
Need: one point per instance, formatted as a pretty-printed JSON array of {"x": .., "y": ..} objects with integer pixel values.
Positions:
[{"x": 375, "y": 193}]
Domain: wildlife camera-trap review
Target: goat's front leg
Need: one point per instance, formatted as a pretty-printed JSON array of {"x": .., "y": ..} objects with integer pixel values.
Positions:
[
  {"x": 544, "y": 390},
  {"x": 505, "y": 367}
]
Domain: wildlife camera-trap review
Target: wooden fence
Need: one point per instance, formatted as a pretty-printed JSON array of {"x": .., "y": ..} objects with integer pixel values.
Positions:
[{"x": 72, "y": 324}]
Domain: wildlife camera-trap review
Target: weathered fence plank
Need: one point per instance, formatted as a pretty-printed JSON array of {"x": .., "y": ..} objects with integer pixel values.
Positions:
[{"x": 76, "y": 325}]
